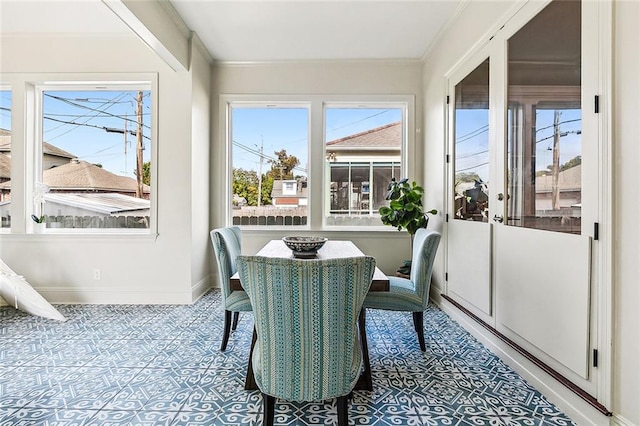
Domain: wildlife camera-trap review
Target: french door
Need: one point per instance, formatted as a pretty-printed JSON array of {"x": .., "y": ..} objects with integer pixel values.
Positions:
[{"x": 523, "y": 186}]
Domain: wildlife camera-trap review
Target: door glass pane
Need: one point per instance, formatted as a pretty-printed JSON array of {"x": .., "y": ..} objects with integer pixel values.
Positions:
[
  {"x": 269, "y": 165},
  {"x": 471, "y": 151},
  {"x": 544, "y": 142},
  {"x": 5, "y": 158}
]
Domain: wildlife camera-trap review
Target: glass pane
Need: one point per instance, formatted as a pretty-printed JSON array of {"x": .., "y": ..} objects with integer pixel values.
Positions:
[
  {"x": 5, "y": 158},
  {"x": 96, "y": 159},
  {"x": 363, "y": 152},
  {"x": 544, "y": 141},
  {"x": 269, "y": 161},
  {"x": 471, "y": 152}
]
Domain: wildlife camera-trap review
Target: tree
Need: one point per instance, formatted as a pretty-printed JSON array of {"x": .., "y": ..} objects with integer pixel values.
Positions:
[
  {"x": 282, "y": 168},
  {"x": 245, "y": 185},
  {"x": 146, "y": 173},
  {"x": 575, "y": 161}
]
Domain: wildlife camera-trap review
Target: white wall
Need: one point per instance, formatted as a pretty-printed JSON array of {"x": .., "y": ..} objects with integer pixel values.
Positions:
[
  {"x": 626, "y": 252},
  {"x": 317, "y": 78},
  {"x": 134, "y": 268},
  {"x": 472, "y": 27}
]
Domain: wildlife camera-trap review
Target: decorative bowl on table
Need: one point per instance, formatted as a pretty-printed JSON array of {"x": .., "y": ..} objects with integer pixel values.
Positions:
[{"x": 304, "y": 247}]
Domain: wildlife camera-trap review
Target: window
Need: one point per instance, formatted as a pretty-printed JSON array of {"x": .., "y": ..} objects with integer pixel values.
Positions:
[
  {"x": 269, "y": 153},
  {"x": 5, "y": 158},
  {"x": 95, "y": 155},
  {"x": 353, "y": 148},
  {"x": 471, "y": 158},
  {"x": 363, "y": 152},
  {"x": 545, "y": 122}
]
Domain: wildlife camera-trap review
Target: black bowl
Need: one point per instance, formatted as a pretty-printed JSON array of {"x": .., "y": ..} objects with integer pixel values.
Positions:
[{"x": 304, "y": 247}]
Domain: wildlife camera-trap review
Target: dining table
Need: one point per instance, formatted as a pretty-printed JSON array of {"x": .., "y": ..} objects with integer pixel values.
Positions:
[{"x": 332, "y": 249}]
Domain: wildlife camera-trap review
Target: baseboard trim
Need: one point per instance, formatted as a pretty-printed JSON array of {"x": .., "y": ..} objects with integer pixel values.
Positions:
[
  {"x": 581, "y": 410},
  {"x": 114, "y": 296},
  {"x": 200, "y": 288}
]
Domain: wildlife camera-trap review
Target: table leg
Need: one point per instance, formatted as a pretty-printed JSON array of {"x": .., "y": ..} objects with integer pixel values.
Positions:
[
  {"x": 364, "y": 382},
  {"x": 250, "y": 381}
]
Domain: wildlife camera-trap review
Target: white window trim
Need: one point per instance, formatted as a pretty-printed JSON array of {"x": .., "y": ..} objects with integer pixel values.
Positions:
[
  {"x": 33, "y": 125},
  {"x": 316, "y": 105}
]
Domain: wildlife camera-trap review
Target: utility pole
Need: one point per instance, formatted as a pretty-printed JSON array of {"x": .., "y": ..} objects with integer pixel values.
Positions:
[
  {"x": 555, "y": 189},
  {"x": 139, "y": 148},
  {"x": 260, "y": 172}
]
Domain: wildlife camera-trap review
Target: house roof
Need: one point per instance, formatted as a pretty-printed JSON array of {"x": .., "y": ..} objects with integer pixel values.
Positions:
[
  {"x": 47, "y": 148},
  {"x": 568, "y": 180},
  {"x": 385, "y": 137},
  {"x": 106, "y": 203},
  {"x": 79, "y": 175},
  {"x": 5, "y": 166}
]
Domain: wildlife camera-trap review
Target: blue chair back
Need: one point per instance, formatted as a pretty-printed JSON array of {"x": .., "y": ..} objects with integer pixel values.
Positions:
[
  {"x": 306, "y": 314},
  {"x": 425, "y": 246},
  {"x": 227, "y": 245}
]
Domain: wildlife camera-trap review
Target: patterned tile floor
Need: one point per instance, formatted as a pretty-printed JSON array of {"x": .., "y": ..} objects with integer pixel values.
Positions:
[{"x": 160, "y": 365}]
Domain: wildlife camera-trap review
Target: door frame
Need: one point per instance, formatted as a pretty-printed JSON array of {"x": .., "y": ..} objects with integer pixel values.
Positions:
[{"x": 598, "y": 15}]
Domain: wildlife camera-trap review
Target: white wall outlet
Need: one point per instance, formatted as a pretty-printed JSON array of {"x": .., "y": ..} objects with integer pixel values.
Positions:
[{"x": 97, "y": 274}]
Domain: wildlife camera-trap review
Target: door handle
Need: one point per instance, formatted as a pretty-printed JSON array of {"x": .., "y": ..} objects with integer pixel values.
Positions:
[{"x": 498, "y": 218}]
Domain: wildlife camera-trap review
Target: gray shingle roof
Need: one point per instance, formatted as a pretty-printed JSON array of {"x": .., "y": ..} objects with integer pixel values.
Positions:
[
  {"x": 79, "y": 175},
  {"x": 387, "y": 136},
  {"x": 568, "y": 180}
]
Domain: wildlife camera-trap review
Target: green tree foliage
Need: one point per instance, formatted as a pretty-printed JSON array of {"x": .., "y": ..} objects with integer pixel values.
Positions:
[
  {"x": 245, "y": 185},
  {"x": 464, "y": 177},
  {"x": 282, "y": 168},
  {"x": 146, "y": 173}
]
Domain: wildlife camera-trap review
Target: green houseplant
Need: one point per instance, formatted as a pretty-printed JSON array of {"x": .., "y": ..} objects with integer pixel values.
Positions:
[{"x": 405, "y": 211}]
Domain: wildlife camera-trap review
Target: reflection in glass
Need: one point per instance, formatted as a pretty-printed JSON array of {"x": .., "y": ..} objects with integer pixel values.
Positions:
[
  {"x": 471, "y": 152},
  {"x": 544, "y": 142}
]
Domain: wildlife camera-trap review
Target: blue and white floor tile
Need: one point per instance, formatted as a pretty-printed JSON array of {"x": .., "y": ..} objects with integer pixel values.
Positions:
[{"x": 160, "y": 365}]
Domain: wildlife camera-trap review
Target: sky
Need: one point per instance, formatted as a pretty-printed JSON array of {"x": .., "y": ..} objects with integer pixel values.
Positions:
[
  {"x": 472, "y": 139},
  {"x": 76, "y": 122},
  {"x": 273, "y": 129}
]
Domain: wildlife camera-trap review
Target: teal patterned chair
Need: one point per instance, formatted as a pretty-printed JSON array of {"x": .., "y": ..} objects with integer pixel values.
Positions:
[
  {"x": 227, "y": 243},
  {"x": 306, "y": 313},
  {"x": 411, "y": 295}
]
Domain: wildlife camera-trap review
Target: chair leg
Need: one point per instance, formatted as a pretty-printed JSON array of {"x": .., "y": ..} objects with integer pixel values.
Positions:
[
  {"x": 235, "y": 320},
  {"x": 227, "y": 330},
  {"x": 268, "y": 403},
  {"x": 343, "y": 410},
  {"x": 418, "y": 324}
]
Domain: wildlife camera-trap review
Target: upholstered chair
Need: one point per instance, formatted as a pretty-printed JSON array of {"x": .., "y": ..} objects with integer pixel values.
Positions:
[
  {"x": 227, "y": 243},
  {"x": 411, "y": 295},
  {"x": 306, "y": 314}
]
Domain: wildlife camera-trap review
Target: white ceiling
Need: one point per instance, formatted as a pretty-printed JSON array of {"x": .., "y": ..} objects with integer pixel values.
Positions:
[
  {"x": 263, "y": 30},
  {"x": 310, "y": 30}
]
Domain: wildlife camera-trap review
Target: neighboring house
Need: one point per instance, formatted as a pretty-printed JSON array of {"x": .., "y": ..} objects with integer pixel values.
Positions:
[
  {"x": 360, "y": 168},
  {"x": 289, "y": 193},
  {"x": 570, "y": 188},
  {"x": 77, "y": 188}
]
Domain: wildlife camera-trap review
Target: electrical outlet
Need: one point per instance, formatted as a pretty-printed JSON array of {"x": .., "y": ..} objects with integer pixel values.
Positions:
[{"x": 97, "y": 274}]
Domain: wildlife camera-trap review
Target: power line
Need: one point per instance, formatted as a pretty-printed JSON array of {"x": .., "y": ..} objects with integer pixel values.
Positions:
[
  {"x": 262, "y": 155},
  {"x": 67, "y": 101},
  {"x": 106, "y": 129}
]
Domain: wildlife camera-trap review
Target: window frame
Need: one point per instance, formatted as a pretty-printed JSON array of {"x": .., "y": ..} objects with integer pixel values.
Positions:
[
  {"x": 316, "y": 104},
  {"x": 6, "y": 87},
  {"x": 34, "y": 94}
]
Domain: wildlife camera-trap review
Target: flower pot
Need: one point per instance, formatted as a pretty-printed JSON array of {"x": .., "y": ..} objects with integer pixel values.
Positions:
[{"x": 38, "y": 228}]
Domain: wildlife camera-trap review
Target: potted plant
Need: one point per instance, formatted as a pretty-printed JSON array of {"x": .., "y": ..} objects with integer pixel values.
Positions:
[
  {"x": 405, "y": 211},
  {"x": 38, "y": 200}
]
